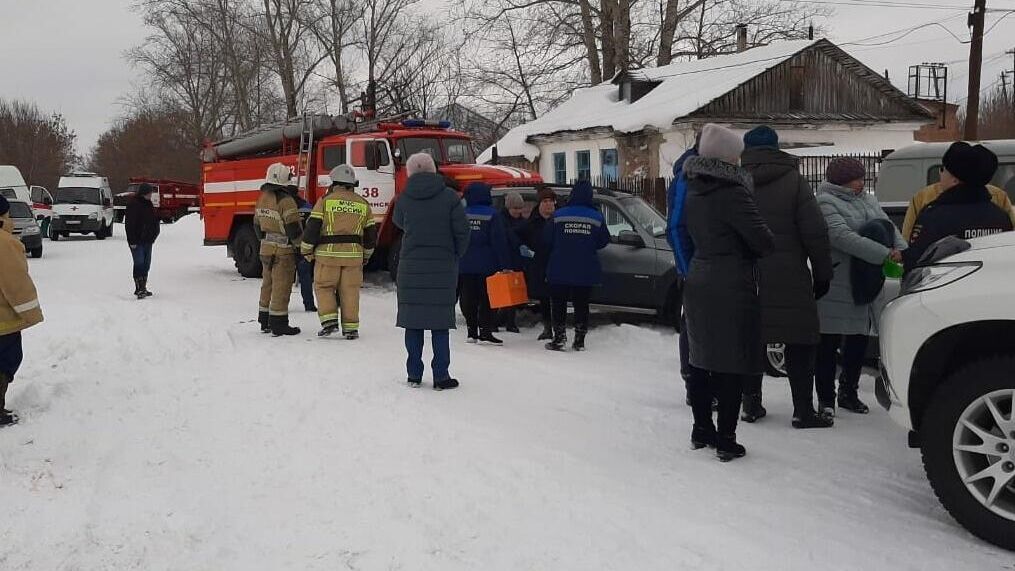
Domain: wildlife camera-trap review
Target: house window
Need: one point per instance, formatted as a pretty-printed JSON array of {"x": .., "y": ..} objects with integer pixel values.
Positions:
[
  {"x": 608, "y": 164},
  {"x": 560, "y": 168},
  {"x": 583, "y": 162}
]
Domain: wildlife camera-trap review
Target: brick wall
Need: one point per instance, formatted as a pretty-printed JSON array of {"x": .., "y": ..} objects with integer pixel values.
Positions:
[{"x": 639, "y": 154}]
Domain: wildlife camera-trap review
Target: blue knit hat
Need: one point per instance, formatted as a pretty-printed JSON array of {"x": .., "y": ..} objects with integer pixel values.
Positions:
[{"x": 763, "y": 136}]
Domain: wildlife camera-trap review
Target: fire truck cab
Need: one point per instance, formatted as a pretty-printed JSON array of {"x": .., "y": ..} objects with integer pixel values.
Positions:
[{"x": 311, "y": 146}]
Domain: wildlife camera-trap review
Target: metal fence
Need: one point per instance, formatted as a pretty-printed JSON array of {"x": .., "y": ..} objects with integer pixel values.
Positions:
[
  {"x": 813, "y": 168},
  {"x": 653, "y": 190}
]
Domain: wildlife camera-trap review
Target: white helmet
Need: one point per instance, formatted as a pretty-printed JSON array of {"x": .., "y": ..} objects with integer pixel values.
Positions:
[
  {"x": 344, "y": 175},
  {"x": 279, "y": 174}
]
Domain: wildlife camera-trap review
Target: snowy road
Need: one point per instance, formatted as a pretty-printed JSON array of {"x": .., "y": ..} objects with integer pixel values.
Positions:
[{"x": 170, "y": 434}]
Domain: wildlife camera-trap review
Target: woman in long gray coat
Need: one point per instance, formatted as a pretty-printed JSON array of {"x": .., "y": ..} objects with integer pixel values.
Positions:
[
  {"x": 844, "y": 323},
  {"x": 721, "y": 291},
  {"x": 435, "y": 236},
  {"x": 789, "y": 314}
]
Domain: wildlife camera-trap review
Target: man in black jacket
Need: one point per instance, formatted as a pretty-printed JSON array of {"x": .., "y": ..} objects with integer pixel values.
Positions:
[
  {"x": 142, "y": 230},
  {"x": 965, "y": 209}
]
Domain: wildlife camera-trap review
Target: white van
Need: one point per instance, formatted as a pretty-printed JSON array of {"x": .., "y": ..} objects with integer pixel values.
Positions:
[
  {"x": 906, "y": 171},
  {"x": 12, "y": 184},
  {"x": 82, "y": 204}
]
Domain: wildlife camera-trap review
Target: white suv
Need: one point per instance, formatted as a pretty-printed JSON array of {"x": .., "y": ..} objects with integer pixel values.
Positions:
[{"x": 948, "y": 375}]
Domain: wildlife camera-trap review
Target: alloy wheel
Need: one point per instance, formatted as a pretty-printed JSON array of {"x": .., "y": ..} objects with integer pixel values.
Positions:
[{"x": 983, "y": 446}]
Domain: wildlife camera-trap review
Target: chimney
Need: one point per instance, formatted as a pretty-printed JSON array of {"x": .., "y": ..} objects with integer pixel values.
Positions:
[
  {"x": 810, "y": 32},
  {"x": 741, "y": 38},
  {"x": 494, "y": 156}
]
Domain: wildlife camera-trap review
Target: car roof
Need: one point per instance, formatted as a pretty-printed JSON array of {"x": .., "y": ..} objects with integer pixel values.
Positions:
[{"x": 1001, "y": 147}]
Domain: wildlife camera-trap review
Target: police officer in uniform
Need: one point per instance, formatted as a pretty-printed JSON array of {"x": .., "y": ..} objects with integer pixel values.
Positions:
[
  {"x": 340, "y": 237},
  {"x": 277, "y": 224},
  {"x": 966, "y": 208}
]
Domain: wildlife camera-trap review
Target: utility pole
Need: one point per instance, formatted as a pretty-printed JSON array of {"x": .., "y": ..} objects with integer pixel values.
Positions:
[{"x": 975, "y": 67}]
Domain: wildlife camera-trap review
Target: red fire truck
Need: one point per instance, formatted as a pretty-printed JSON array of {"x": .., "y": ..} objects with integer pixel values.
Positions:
[
  {"x": 314, "y": 144},
  {"x": 172, "y": 199}
]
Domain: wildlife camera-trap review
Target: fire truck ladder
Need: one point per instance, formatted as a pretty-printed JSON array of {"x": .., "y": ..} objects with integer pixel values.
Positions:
[{"x": 305, "y": 152}]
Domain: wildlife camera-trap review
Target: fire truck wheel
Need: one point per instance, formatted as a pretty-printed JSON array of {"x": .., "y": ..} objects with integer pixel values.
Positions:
[{"x": 246, "y": 250}]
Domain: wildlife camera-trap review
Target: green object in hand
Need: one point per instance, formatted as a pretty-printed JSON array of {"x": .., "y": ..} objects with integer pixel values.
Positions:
[{"x": 892, "y": 269}]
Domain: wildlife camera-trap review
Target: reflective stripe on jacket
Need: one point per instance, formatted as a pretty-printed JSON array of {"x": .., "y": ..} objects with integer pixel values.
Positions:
[
  {"x": 19, "y": 302},
  {"x": 341, "y": 229},
  {"x": 277, "y": 221}
]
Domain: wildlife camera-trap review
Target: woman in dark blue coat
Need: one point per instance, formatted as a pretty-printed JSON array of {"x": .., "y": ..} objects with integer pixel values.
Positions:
[
  {"x": 577, "y": 233},
  {"x": 435, "y": 235},
  {"x": 488, "y": 254}
]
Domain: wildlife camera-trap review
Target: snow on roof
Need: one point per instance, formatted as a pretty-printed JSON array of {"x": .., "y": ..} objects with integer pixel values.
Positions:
[{"x": 686, "y": 87}]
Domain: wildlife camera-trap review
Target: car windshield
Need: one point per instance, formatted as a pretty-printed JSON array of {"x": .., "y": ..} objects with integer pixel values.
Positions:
[
  {"x": 644, "y": 215},
  {"x": 20, "y": 210},
  {"x": 412, "y": 145},
  {"x": 77, "y": 195}
]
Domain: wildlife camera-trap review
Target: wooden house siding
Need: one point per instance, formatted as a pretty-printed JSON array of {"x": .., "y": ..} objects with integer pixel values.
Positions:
[{"x": 821, "y": 83}]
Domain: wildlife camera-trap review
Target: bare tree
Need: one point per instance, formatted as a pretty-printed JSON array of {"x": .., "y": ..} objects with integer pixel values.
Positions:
[
  {"x": 39, "y": 144},
  {"x": 151, "y": 143},
  {"x": 288, "y": 27},
  {"x": 335, "y": 24}
]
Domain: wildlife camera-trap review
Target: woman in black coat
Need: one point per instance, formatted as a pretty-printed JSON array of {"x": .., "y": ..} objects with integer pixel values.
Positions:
[
  {"x": 538, "y": 256},
  {"x": 798, "y": 272},
  {"x": 721, "y": 291},
  {"x": 142, "y": 228},
  {"x": 435, "y": 237}
]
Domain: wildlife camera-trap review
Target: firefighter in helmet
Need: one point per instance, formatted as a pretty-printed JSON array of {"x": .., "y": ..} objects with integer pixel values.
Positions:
[
  {"x": 340, "y": 238},
  {"x": 277, "y": 224}
]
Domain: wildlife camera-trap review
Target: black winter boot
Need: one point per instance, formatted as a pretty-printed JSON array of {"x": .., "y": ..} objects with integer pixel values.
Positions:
[
  {"x": 414, "y": 383},
  {"x": 262, "y": 318},
  {"x": 7, "y": 417},
  {"x": 726, "y": 448},
  {"x": 445, "y": 384},
  {"x": 547, "y": 333},
  {"x": 807, "y": 418},
  {"x": 702, "y": 437},
  {"x": 144, "y": 288},
  {"x": 851, "y": 402},
  {"x": 579, "y": 339},
  {"x": 753, "y": 410},
  {"x": 137, "y": 288},
  {"x": 487, "y": 337},
  {"x": 328, "y": 329},
  {"x": 559, "y": 340},
  {"x": 473, "y": 335},
  {"x": 280, "y": 326}
]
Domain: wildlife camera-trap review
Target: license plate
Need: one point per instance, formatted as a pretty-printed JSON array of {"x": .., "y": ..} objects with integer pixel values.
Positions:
[{"x": 73, "y": 222}]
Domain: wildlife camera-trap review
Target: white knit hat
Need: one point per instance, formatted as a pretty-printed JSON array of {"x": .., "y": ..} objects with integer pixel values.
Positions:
[
  {"x": 420, "y": 162},
  {"x": 718, "y": 142}
]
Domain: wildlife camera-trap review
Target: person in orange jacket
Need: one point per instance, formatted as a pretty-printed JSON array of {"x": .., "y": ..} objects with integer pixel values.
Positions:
[{"x": 19, "y": 307}]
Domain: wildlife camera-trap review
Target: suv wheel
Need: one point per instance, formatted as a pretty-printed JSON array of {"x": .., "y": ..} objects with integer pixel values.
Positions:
[
  {"x": 100, "y": 234},
  {"x": 968, "y": 435},
  {"x": 775, "y": 360}
]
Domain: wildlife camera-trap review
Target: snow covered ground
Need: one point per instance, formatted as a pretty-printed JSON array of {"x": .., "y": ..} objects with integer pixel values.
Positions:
[{"x": 170, "y": 434}]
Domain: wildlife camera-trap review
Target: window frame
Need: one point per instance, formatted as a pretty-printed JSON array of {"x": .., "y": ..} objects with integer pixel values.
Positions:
[
  {"x": 615, "y": 165},
  {"x": 578, "y": 167},
  {"x": 559, "y": 174}
]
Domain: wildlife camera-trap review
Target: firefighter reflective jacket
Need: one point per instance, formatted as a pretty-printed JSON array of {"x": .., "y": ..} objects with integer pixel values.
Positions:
[
  {"x": 341, "y": 229},
  {"x": 19, "y": 303},
  {"x": 277, "y": 221}
]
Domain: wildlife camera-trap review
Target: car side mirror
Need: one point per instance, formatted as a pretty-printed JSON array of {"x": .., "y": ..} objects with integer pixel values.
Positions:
[
  {"x": 373, "y": 158},
  {"x": 630, "y": 238}
]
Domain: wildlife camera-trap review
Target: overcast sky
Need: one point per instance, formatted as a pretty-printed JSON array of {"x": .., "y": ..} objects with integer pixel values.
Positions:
[{"x": 67, "y": 55}]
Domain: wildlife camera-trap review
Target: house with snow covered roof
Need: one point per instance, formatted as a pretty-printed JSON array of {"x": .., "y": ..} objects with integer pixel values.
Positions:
[{"x": 811, "y": 91}]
